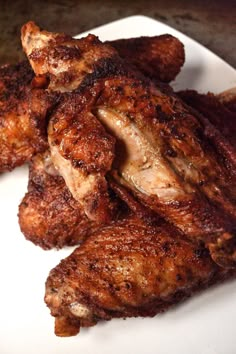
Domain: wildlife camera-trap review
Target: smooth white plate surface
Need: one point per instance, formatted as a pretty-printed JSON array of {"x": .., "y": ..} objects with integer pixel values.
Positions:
[{"x": 203, "y": 325}]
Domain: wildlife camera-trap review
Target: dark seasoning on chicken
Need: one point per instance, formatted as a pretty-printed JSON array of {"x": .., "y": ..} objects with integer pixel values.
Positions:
[{"x": 142, "y": 177}]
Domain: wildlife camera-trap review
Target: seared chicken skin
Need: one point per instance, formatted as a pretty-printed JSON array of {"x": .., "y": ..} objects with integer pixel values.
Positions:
[
  {"x": 127, "y": 269},
  {"x": 22, "y": 116},
  {"x": 160, "y": 57},
  {"x": 48, "y": 215},
  {"x": 161, "y": 152}
]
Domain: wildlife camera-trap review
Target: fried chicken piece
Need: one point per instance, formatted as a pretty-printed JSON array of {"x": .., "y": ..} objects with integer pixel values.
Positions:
[
  {"x": 83, "y": 152},
  {"x": 152, "y": 55},
  {"x": 218, "y": 113},
  {"x": 159, "y": 57},
  {"x": 166, "y": 159},
  {"x": 22, "y": 116},
  {"x": 164, "y": 154},
  {"x": 83, "y": 162},
  {"x": 127, "y": 269},
  {"x": 48, "y": 215}
]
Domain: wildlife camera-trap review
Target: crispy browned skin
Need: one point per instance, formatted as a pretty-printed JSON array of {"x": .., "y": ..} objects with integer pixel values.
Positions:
[
  {"x": 170, "y": 164},
  {"x": 164, "y": 153},
  {"x": 160, "y": 57},
  {"x": 48, "y": 215},
  {"x": 65, "y": 60},
  {"x": 219, "y": 114},
  {"x": 85, "y": 152},
  {"x": 126, "y": 269},
  {"x": 22, "y": 116}
]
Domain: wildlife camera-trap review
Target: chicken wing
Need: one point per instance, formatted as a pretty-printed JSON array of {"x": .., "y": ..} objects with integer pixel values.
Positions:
[
  {"x": 130, "y": 268},
  {"x": 22, "y": 116},
  {"x": 166, "y": 158},
  {"x": 67, "y": 61},
  {"x": 159, "y": 57},
  {"x": 163, "y": 153},
  {"x": 48, "y": 215},
  {"x": 166, "y": 163}
]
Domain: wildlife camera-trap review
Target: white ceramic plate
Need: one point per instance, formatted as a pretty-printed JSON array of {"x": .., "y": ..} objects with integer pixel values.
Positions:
[{"x": 203, "y": 325}]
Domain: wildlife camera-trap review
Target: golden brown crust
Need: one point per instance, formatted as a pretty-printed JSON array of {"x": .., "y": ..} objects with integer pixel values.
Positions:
[
  {"x": 127, "y": 269},
  {"x": 159, "y": 57}
]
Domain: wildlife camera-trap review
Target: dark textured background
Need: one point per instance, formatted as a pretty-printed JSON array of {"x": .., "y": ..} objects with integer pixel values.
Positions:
[{"x": 211, "y": 22}]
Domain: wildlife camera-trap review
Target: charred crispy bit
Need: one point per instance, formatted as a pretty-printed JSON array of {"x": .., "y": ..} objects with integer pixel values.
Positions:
[
  {"x": 164, "y": 153},
  {"x": 22, "y": 116},
  {"x": 126, "y": 269},
  {"x": 48, "y": 215},
  {"x": 14, "y": 78},
  {"x": 216, "y": 110},
  {"x": 159, "y": 57}
]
